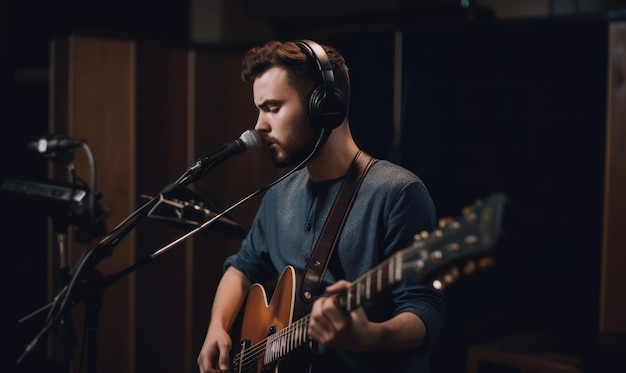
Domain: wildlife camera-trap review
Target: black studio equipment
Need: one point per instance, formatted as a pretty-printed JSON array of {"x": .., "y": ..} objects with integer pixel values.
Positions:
[
  {"x": 73, "y": 207},
  {"x": 71, "y": 204},
  {"x": 57, "y": 148}
]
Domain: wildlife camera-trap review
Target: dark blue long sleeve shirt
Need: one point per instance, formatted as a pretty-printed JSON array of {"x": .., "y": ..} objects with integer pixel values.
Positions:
[{"x": 392, "y": 205}]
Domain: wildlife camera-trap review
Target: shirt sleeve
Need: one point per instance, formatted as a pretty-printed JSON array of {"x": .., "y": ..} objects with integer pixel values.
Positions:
[
  {"x": 412, "y": 213},
  {"x": 253, "y": 258}
]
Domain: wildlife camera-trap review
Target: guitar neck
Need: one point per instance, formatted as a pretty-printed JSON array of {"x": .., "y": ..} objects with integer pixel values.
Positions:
[
  {"x": 362, "y": 290},
  {"x": 370, "y": 284},
  {"x": 373, "y": 282},
  {"x": 471, "y": 236}
]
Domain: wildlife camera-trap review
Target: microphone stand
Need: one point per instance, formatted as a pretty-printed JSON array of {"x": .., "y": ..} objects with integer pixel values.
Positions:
[
  {"x": 88, "y": 285},
  {"x": 64, "y": 336}
]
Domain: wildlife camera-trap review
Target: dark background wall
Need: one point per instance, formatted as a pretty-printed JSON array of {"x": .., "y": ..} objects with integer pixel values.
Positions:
[
  {"x": 518, "y": 107},
  {"x": 27, "y": 29},
  {"x": 512, "y": 105}
]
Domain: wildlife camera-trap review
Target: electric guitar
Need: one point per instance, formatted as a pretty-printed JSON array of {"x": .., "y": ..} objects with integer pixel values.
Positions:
[{"x": 270, "y": 334}]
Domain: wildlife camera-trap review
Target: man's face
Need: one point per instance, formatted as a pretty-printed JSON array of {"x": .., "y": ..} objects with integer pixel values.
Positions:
[{"x": 282, "y": 121}]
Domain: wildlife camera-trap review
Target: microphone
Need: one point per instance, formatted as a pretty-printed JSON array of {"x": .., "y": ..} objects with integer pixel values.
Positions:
[
  {"x": 248, "y": 141},
  {"x": 53, "y": 144}
]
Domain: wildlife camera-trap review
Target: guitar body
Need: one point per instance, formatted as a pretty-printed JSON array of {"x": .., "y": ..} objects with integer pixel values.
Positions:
[{"x": 261, "y": 319}]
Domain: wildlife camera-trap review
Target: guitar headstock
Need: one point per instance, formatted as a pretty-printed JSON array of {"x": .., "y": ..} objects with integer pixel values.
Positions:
[{"x": 459, "y": 246}]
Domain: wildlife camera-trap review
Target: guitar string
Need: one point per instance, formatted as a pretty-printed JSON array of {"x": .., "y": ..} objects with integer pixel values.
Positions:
[
  {"x": 247, "y": 360},
  {"x": 285, "y": 337},
  {"x": 252, "y": 354},
  {"x": 255, "y": 352}
]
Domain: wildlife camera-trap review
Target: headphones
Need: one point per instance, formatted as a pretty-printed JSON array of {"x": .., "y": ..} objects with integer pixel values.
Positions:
[{"x": 328, "y": 105}]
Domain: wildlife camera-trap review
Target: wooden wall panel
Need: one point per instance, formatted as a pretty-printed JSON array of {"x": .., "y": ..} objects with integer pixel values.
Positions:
[
  {"x": 612, "y": 301},
  {"x": 99, "y": 108},
  {"x": 162, "y": 147},
  {"x": 149, "y": 112},
  {"x": 223, "y": 110}
]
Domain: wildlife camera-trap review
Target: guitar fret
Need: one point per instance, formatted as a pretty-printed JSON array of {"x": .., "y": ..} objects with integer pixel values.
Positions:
[
  {"x": 282, "y": 346},
  {"x": 268, "y": 350},
  {"x": 288, "y": 339},
  {"x": 383, "y": 277},
  {"x": 398, "y": 276},
  {"x": 297, "y": 335},
  {"x": 362, "y": 291},
  {"x": 349, "y": 294}
]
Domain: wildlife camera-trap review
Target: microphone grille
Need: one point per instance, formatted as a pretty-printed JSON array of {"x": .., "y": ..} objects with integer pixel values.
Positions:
[{"x": 252, "y": 140}]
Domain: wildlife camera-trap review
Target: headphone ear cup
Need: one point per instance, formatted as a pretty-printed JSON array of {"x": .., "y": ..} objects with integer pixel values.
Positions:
[{"x": 327, "y": 109}]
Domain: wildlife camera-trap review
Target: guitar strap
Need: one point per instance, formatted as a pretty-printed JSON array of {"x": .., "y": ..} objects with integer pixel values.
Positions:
[{"x": 327, "y": 240}]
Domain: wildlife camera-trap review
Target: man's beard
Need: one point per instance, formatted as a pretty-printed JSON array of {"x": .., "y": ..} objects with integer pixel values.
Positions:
[{"x": 297, "y": 148}]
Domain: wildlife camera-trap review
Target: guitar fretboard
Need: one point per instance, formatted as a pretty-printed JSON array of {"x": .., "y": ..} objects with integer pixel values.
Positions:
[{"x": 373, "y": 282}]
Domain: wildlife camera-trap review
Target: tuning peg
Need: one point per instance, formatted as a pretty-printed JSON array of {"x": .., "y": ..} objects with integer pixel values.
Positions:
[
  {"x": 472, "y": 208},
  {"x": 437, "y": 233},
  {"x": 468, "y": 210},
  {"x": 438, "y": 284},
  {"x": 451, "y": 276},
  {"x": 446, "y": 279},
  {"x": 469, "y": 268},
  {"x": 436, "y": 255},
  {"x": 472, "y": 239},
  {"x": 486, "y": 262},
  {"x": 421, "y": 236},
  {"x": 453, "y": 247},
  {"x": 445, "y": 221}
]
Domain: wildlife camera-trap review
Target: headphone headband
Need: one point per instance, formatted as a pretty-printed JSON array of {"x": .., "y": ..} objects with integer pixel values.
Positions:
[
  {"x": 319, "y": 56},
  {"x": 327, "y": 104}
]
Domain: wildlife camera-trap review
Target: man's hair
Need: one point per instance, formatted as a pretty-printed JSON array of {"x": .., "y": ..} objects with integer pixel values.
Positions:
[{"x": 302, "y": 72}]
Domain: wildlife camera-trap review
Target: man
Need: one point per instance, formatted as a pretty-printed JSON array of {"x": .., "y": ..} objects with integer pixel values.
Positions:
[{"x": 291, "y": 84}]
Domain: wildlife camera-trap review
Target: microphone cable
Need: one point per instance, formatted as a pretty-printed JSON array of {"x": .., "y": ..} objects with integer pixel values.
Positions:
[{"x": 320, "y": 141}]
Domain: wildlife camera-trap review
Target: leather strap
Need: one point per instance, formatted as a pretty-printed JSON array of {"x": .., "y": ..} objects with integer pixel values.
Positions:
[{"x": 318, "y": 262}]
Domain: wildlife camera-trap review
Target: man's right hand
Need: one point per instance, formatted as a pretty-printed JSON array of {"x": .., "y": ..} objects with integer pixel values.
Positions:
[{"x": 214, "y": 355}]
